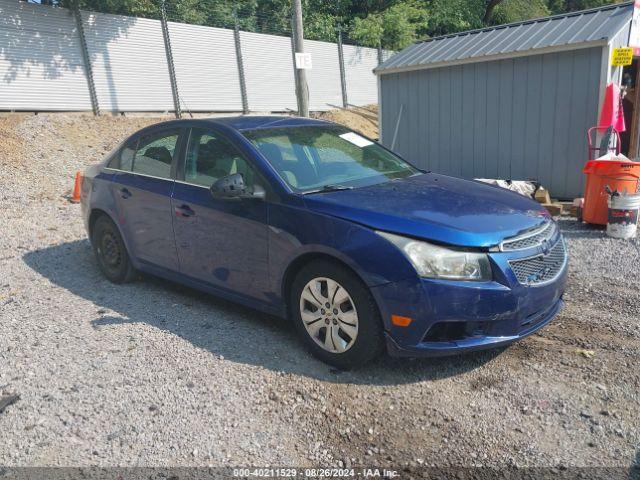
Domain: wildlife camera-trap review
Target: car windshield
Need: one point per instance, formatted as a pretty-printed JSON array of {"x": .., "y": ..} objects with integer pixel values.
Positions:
[{"x": 316, "y": 158}]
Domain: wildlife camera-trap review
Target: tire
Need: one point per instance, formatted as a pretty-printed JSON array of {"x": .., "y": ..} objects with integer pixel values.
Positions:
[
  {"x": 356, "y": 327},
  {"x": 110, "y": 251}
]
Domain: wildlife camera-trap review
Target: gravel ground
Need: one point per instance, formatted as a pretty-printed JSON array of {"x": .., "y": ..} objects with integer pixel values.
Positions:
[{"x": 152, "y": 373}]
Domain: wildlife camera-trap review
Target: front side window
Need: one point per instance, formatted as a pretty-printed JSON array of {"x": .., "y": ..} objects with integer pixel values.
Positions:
[
  {"x": 312, "y": 157},
  {"x": 211, "y": 157},
  {"x": 155, "y": 154}
]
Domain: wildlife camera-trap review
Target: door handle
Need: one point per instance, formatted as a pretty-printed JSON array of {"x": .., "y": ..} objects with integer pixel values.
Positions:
[
  {"x": 184, "y": 211},
  {"x": 125, "y": 193}
]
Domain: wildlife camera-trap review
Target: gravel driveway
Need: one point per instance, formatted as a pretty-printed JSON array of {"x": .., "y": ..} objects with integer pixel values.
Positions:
[{"x": 152, "y": 373}]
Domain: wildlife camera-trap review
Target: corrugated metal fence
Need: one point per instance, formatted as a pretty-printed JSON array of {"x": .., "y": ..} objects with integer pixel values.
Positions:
[{"x": 42, "y": 65}]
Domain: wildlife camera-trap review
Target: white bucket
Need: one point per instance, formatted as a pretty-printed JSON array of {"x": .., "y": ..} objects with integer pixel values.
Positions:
[{"x": 623, "y": 215}]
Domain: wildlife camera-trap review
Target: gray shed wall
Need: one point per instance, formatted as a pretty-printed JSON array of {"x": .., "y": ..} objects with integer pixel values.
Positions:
[{"x": 518, "y": 118}]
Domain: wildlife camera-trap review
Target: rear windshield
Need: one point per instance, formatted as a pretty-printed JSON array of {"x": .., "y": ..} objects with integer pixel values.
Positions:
[{"x": 309, "y": 158}]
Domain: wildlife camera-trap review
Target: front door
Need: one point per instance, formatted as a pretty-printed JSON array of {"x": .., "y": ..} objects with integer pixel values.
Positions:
[
  {"x": 220, "y": 242},
  {"x": 143, "y": 187}
]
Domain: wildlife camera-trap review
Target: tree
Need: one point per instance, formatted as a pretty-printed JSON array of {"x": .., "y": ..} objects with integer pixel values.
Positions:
[
  {"x": 563, "y": 6},
  {"x": 392, "y": 24},
  {"x": 142, "y": 8},
  {"x": 516, "y": 10},
  {"x": 394, "y": 28},
  {"x": 450, "y": 16},
  {"x": 488, "y": 10}
]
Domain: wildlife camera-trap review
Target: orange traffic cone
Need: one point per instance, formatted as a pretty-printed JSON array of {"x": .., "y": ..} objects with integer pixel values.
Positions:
[{"x": 75, "y": 198}]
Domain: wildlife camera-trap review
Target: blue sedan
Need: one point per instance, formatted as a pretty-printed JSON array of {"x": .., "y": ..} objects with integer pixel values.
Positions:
[{"x": 314, "y": 222}]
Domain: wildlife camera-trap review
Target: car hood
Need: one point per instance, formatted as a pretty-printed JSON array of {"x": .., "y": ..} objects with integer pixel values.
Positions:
[{"x": 435, "y": 207}]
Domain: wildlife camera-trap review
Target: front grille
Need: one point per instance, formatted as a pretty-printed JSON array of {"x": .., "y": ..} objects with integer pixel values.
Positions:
[
  {"x": 541, "y": 268},
  {"x": 530, "y": 239}
]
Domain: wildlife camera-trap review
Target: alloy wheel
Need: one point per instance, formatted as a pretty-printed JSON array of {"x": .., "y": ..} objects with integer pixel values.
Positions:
[{"x": 329, "y": 314}]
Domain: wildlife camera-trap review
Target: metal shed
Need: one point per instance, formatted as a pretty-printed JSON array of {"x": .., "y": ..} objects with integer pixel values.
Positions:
[{"x": 513, "y": 101}]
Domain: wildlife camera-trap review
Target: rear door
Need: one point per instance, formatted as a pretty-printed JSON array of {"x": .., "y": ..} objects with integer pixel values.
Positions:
[
  {"x": 142, "y": 188},
  {"x": 220, "y": 242}
]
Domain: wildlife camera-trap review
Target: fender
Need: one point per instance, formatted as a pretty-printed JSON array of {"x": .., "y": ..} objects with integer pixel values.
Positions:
[
  {"x": 296, "y": 232},
  {"x": 102, "y": 200}
]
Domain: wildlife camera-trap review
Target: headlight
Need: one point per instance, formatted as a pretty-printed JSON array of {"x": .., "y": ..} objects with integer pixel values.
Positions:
[{"x": 433, "y": 261}]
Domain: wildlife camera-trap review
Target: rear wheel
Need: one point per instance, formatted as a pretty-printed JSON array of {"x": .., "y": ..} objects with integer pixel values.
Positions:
[
  {"x": 336, "y": 315},
  {"x": 111, "y": 252}
]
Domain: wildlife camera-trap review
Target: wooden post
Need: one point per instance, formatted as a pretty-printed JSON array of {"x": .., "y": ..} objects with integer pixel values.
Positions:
[
  {"x": 635, "y": 122},
  {"x": 302, "y": 90}
]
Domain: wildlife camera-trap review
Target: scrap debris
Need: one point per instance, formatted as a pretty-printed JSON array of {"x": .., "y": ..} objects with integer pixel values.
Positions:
[
  {"x": 519, "y": 186},
  {"x": 530, "y": 189},
  {"x": 585, "y": 353},
  {"x": 7, "y": 400},
  {"x": 542, "y": 195}
]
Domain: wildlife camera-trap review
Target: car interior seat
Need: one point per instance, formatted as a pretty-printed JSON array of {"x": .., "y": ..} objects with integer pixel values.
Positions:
[
  {"x": 273, "y": 153},
  {"x": 222, "y": 157},
  {"x": 161, "y": 154}
]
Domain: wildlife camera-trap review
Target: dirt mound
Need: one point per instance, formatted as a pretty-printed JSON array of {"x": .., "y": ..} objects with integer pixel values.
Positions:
[
  {"x": 361, "y": 119},
  {"x": 11, "y": 143},
  {"x": 39, "y": 154}
]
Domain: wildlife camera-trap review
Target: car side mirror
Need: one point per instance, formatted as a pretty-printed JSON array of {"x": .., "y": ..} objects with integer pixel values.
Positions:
[{"x": 233, "y": 187}]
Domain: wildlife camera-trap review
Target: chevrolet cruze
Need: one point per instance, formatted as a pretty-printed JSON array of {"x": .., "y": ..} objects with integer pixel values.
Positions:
[{"x": 311, "y": 221}]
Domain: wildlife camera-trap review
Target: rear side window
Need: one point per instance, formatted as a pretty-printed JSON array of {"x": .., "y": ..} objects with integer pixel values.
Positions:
[
  {"x": 126, "y": 157},
  {"x": 155, "y": 154},
  {"x": 123, "y": 158}
]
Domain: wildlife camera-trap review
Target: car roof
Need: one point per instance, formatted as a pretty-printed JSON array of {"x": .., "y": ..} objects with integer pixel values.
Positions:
[
  {"x": 249, "y": 122},
  {"x": 267, "y": 121}
]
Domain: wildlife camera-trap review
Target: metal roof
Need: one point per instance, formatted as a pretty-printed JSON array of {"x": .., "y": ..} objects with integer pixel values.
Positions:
[{"x": 560, "y": 32}]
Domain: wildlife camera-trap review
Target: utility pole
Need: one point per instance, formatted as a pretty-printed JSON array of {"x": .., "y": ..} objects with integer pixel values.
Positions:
[
  {"x": 343, "y": 78},
  {"x": 240, "y": 62},
  {"x": 302, "y": 90}
]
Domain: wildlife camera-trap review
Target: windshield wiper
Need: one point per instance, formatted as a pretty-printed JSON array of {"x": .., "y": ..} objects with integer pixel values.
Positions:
[{"x": 329, "y": 188}]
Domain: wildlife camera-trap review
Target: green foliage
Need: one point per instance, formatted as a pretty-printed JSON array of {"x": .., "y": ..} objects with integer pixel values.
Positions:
[
  {"x": 369, "y": 30},
  {"x": 141, "y": 8},
  {"x": 393, "y": 28},
  {"x": 450, "y": 16},
  {"x": 562, "y": 6},
  {"x": 393, "y": 24},
  {"x": 517, "y": 10}
]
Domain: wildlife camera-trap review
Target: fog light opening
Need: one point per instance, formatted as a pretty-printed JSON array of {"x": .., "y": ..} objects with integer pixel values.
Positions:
[{"x": 446, "y": 332}]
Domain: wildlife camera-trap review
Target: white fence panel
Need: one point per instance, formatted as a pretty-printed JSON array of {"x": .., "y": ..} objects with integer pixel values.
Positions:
[
  {"x": 41, "y": 65},
  {"x": 268, "y": 65},
  {"x": 129, "y": 63},
  {"x": 359, "y": 63},
  {"x": 206, "y": 68},
  {"x": 325, "y": 90}
]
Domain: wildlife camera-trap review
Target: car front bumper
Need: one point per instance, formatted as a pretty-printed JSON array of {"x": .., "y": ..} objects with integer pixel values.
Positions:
[
  {"x": 471, "y": 344},
  {"x": 450, "y": 317}
]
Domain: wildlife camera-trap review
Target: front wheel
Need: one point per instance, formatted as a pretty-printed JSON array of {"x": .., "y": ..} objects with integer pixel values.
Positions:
[{"x": 335, "y": 315}]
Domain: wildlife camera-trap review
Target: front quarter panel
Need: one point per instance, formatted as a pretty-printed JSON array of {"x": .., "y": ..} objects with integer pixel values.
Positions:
[{"x": 295, "y": 231}]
